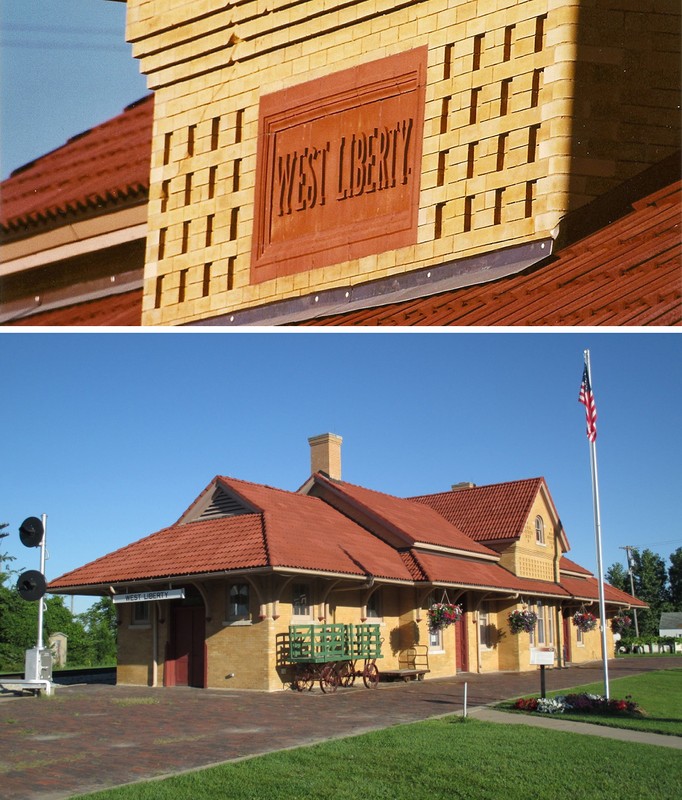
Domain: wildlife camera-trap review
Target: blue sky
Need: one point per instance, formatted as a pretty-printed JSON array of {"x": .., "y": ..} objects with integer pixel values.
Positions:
[
  {"x": 112, "y": 435},
  {"x": 64, "y": 67}
]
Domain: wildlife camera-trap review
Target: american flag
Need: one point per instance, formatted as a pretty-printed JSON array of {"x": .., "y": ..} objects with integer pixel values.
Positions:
[{"x": 587, "y": 399}]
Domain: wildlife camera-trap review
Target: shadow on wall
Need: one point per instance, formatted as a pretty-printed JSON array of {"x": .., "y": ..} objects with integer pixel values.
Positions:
[{"x": 626, "y": 94}]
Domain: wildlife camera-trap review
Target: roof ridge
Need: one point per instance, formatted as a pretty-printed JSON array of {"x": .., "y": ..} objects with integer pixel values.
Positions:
[
  {"x": 289, "y": 492},
  {"x": 448, "y": 492},
  {"x": 364, "y": 488}
]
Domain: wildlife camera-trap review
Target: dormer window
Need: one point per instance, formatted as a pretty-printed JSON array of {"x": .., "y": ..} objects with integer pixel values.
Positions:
[{"x": 539, "y": 530}]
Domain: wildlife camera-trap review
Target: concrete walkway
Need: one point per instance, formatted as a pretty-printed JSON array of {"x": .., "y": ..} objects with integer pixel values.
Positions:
[
  {"x": 487, "y": 714},
  {"x": 87, "y": 738}
]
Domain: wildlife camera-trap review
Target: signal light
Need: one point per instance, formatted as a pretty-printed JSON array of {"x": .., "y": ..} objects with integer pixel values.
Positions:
[{"x": 31, "y": 532}]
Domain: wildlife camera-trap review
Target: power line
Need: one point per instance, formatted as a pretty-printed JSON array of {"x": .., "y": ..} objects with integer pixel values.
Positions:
[
  {"x": 650, "y": 544},
  {"x": 120, "y": 48},
  {"x": 52, "y": 29}
]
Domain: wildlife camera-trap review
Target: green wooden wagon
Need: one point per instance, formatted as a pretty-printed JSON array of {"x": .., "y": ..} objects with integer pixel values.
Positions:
[{"x": 331, "y": 654}]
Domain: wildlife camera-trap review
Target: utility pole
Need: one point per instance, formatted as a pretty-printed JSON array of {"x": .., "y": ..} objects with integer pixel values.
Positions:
[{"x": 628, "y": 549}]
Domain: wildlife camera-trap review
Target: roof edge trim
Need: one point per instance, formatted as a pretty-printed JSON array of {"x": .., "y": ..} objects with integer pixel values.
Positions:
[{"x": 424, "y": 282}]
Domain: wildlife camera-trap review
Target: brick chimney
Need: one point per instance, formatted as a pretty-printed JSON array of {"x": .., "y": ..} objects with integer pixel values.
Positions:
[{"x": 325, "y": 455}]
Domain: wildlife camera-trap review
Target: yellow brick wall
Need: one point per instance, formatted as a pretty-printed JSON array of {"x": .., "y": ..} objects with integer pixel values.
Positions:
[
  {"x": 526, "y": 557},
  {"x": 134, "y": 646},
  {"x": 590, "y": 649},
  {"x": 495, "y": 171},
  {"x": 248, "y": 656}
]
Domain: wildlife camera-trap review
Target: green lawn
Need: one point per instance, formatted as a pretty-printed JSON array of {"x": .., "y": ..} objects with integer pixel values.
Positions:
[
  {"x": 445, "y": 758},
  {"x": 658, "y": 693}
]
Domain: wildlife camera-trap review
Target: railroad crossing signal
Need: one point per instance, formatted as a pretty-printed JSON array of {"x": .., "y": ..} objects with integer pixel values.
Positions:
[
  {"x": 31, "y": 584},
  {"x": 31, "y": 532}
]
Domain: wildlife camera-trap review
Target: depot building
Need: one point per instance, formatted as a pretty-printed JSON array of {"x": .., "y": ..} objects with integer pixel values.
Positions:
[{"x": 208, "y": 600}]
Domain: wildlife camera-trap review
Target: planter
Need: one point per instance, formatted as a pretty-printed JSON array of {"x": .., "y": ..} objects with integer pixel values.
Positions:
[
  {"x": 621, "y": 623},
  {"x": 442, "y": 615},
  {"x": 522, "y": 621},
  {"x": 584, "y": 621}
]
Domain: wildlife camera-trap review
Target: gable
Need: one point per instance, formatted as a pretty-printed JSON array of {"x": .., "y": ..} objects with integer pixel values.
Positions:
[
  {"x": 223, "y": 504},
  {"x": 216, "y": 501}
]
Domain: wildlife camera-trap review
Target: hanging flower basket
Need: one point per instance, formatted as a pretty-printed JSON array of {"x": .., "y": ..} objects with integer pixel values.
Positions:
[
  {"x": 441, "y": 615},
  {"x": 620, "y": 623},
  {"x": 522, "y": 621},
  {"x": 584, "y": 621}
]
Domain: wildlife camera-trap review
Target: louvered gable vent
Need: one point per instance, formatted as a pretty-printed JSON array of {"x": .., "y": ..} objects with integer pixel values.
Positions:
[{"x": 224, "y": 505}]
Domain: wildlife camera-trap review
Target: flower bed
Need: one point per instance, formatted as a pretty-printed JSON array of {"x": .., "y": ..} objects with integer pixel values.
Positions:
[{"x": 582, "y": 703}]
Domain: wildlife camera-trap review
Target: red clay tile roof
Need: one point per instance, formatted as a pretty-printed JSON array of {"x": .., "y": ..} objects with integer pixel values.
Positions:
[
  {"x": 290, "y": 530},
  {"x": 195, "y": 548},
  {"x": 414, "y": 522},
  {"x": 102, "y": 167},
  {"x": 588, "y": 589},
  {"x": 628, "y": 272},
  {"x": 304, "y": 532},
  {"x": 115, "y": 310},
  {"x": 298, "y": 531},
  {"x": 487, "y": 513},
  {"x": 566, "y": 565},
  {"x": 481, "y": 574}
]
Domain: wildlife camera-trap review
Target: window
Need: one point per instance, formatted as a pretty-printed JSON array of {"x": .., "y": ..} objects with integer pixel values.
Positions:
[
  {"x": 435, "y": 637},
  {"x": 485, "y": 627},
  {"x": 540, "y": 611},
  {"x": 579, "y": 637},
  {"x": 301, "y": 600},
  {"x": 539, "y": 530},
  {"x": 374, "y": 610},
  {"x": 140, "y": 614},
  {"x": 436, "y": 640},
  {"x": 543, "y": 635},
  {"x": 238, "y": 607}
]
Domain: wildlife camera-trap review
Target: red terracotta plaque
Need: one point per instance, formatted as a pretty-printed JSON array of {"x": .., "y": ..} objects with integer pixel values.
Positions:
[{"x": 338, "y": 169}]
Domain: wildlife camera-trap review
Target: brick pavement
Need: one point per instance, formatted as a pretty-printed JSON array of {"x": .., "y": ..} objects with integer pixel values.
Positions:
[{"x": 86, "y": 738}]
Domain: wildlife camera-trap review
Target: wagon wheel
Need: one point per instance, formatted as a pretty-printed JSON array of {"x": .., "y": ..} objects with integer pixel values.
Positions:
[
  {"x": 370, "y": 675},
  {"x": 329, "y": 679},
  {"x": 346, "y": 673},
  {"x": 304, "y": 679}
]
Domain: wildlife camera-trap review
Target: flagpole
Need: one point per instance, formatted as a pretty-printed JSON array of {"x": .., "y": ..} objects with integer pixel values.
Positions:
[{"x": 597, "y": 533}]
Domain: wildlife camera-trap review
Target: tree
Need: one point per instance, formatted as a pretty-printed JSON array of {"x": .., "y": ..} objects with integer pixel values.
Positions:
[
  {"x": 18, "y": 628},
  {"x": 618, "y": 577},
  {"x": 4, "y": 557},
  {"x": 675, "y": 579},
  {"x": 650, "y": 577},
  {"x": 99, "y": 621}
]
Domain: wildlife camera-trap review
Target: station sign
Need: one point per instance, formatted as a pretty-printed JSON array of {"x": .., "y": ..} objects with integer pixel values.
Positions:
[
  {"x": 145, "y": 597},
  {"x": 542, "y": 657},
  {"x": 339, "y": 166}
]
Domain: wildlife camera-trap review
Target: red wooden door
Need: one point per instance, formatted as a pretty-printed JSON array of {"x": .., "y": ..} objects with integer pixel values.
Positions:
[
  {"x": 567, "y": 640},
  {"x": 462, "y": 645},
  {"x": 188, "y": 645}
]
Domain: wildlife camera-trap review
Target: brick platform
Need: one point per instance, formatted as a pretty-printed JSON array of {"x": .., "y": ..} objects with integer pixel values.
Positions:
[{"x": 94, "y": 737}]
